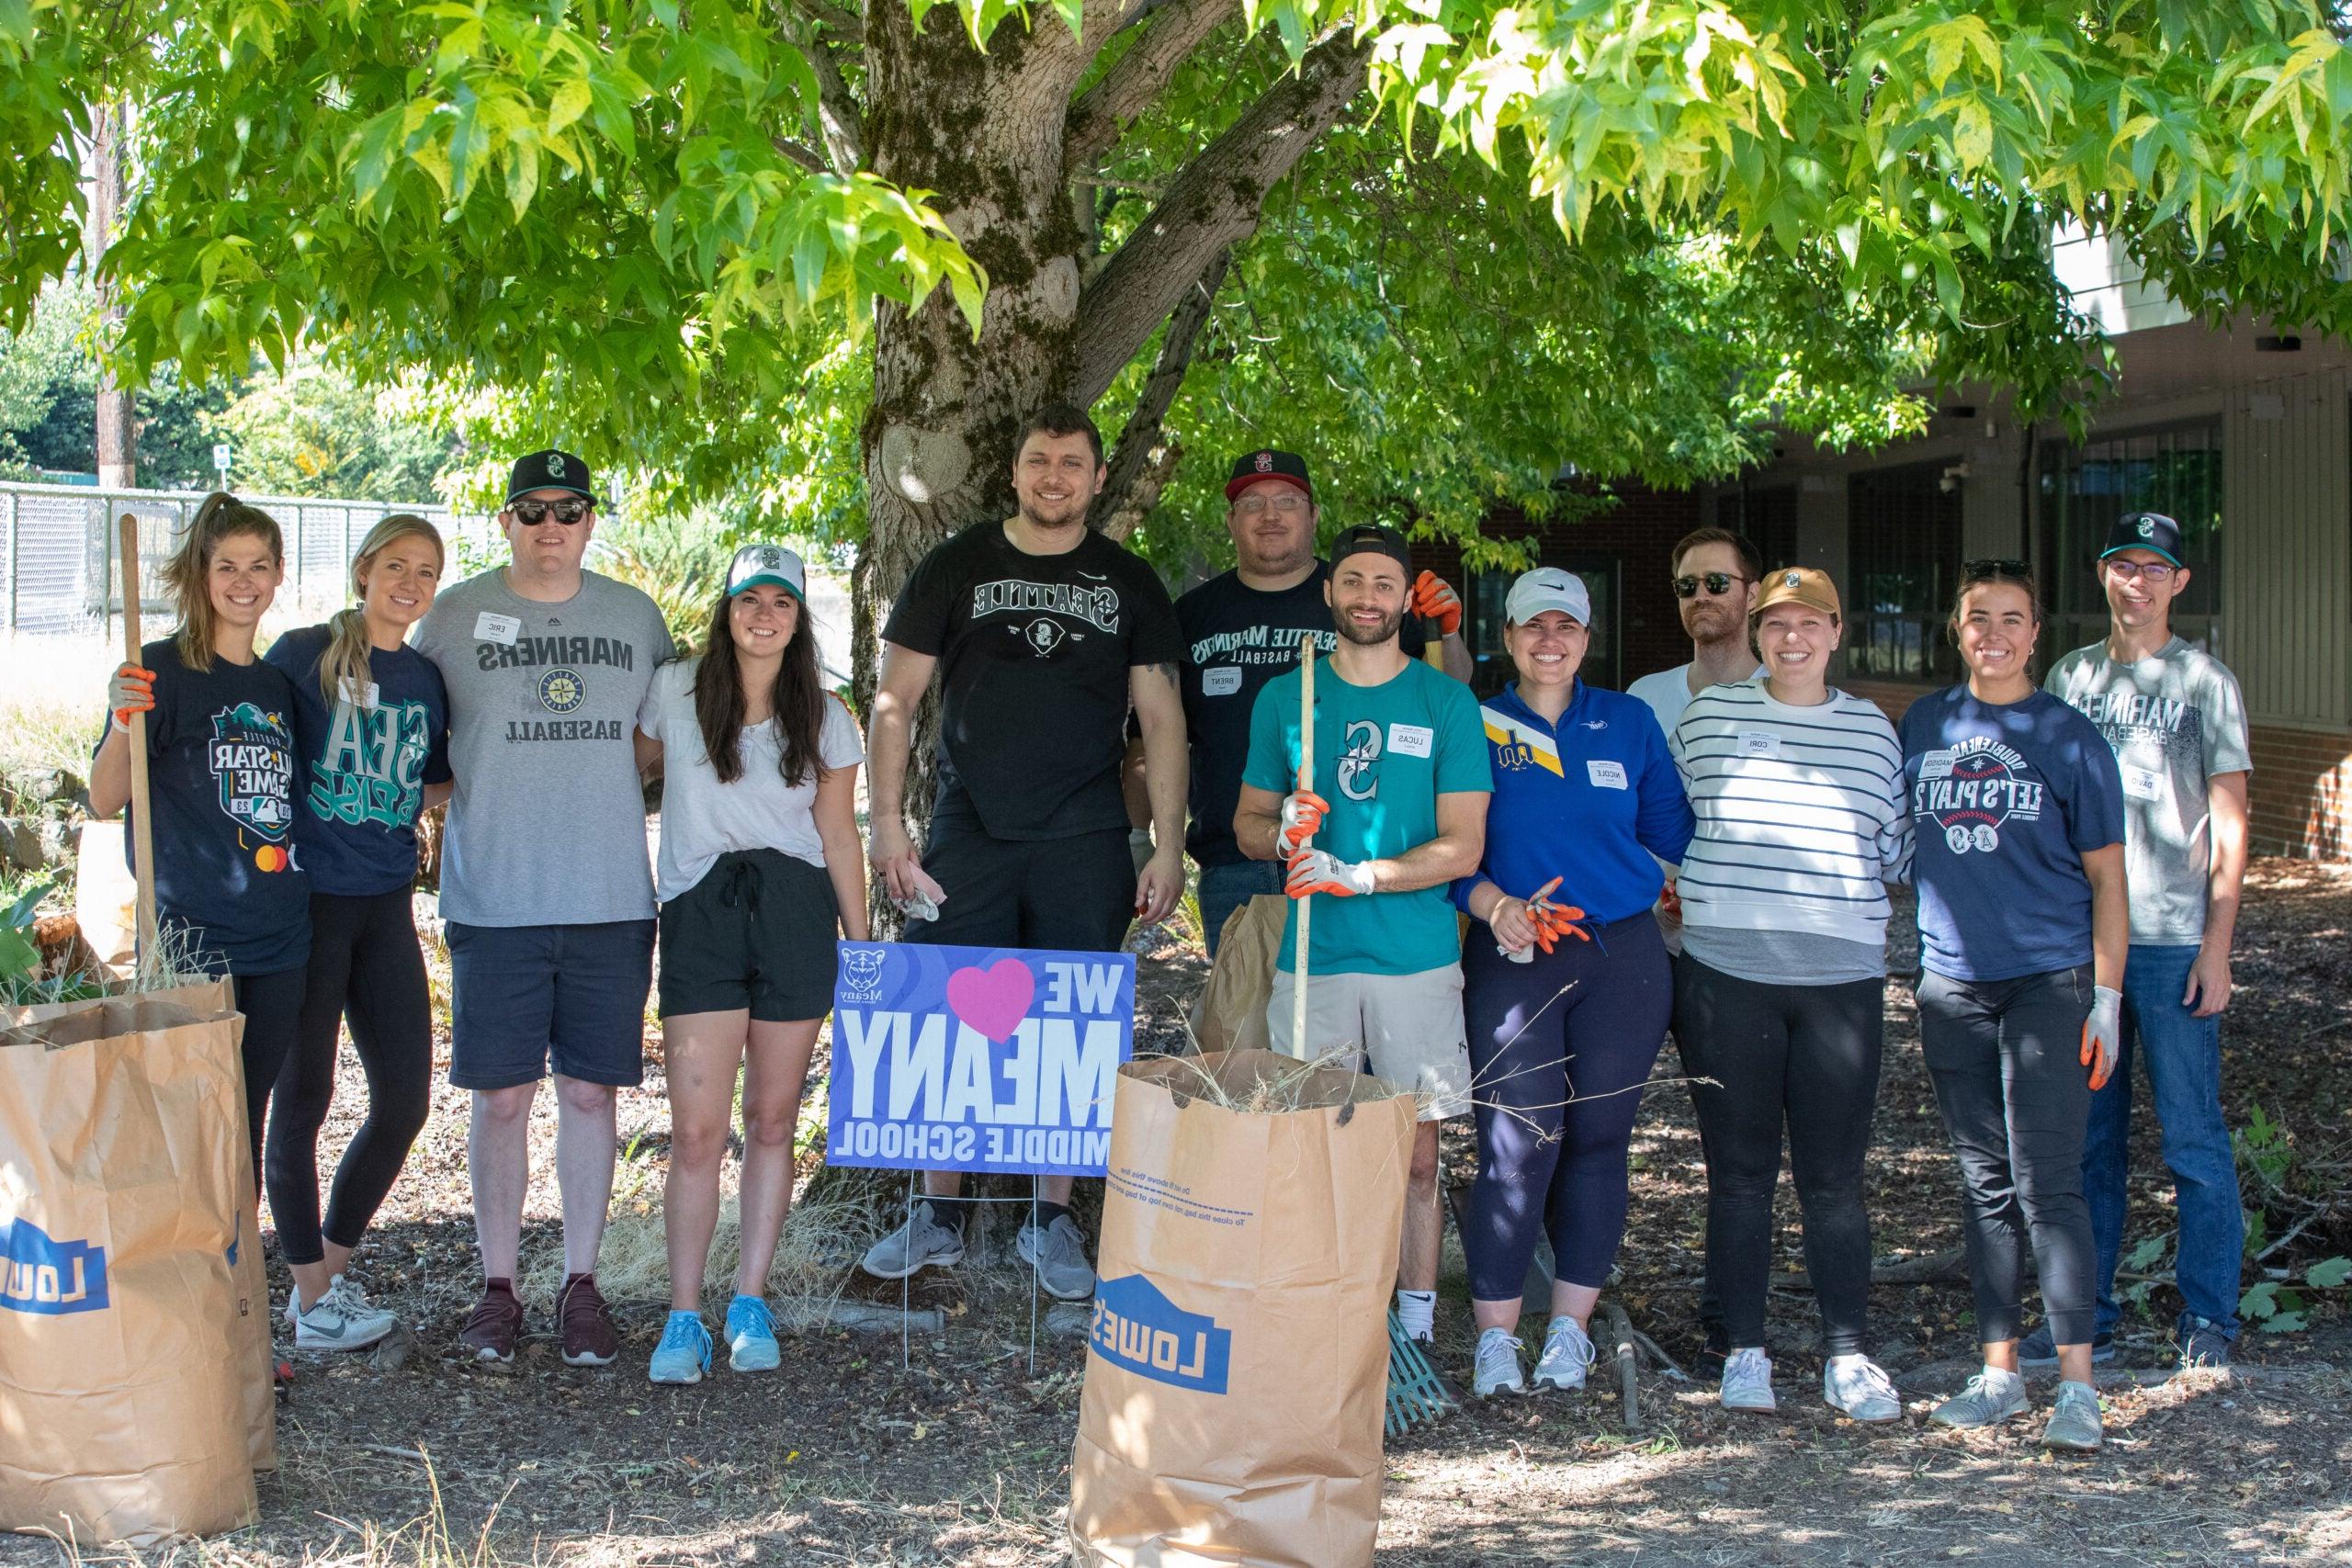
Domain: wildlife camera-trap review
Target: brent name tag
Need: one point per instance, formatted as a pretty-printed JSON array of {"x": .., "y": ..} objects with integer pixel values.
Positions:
[
  {"x": 1605, "y": 775},
  {"x": 1221, "y": 683},
  {"x": 1759, "y": 743},
  {"x": 502, "y": 629},
  {"x": 1410, "y": 739}
]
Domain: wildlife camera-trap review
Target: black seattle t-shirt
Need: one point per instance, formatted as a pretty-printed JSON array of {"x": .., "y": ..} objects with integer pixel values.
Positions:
[
  {"x": 1236, "y": 639},
  {"x": 221, "y": 776},
  {"x": 1034, "y": 652}
]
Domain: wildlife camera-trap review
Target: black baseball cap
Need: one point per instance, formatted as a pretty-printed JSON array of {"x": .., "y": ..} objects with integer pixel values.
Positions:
[
  {"x": 1376, "y": 539},
  {"x": 550, "y": 469},
  {"x": 1268, "y": 464},
  {"x": 2146, "y": 531}
]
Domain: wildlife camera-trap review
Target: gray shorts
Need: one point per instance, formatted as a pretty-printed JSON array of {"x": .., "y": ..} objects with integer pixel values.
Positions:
[{"x": 1409, "y": 1025}]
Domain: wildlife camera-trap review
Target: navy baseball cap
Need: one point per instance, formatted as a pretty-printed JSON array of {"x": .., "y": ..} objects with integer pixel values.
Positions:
[
  {"x": 1375, "y": 539},
  {"x": 2146, "y": 531},
  {"x": 1268, "y": 464},
  {"x": 550, "y": 469}
]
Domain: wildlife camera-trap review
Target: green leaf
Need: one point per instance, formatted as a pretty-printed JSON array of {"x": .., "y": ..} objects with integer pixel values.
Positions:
[{"x": 2328, "y": 1273}]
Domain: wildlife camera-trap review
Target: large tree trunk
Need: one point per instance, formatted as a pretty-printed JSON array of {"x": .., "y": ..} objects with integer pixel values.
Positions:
[{"x": 116, "y": 436}]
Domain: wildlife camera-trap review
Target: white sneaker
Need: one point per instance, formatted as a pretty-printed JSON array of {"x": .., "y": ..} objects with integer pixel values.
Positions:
[
  {"x": 1498, "y": 1367},
  {"x": 1748, "y": 1381},
  {"x": 1859, "y": 1387},
  {"x": 341, "y": 1319},
  {"x": 1567, "y": 1352}
]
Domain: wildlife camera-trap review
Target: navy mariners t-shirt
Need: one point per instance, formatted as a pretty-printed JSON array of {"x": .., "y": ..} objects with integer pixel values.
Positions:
[
  {"x": 220, "y": 769},
  {"x": 1034, "y": 654},
  {"x": 1236, "y": 639},
  {"x": 364, "y": 764},
  {"x": 2006, "y": 799}
]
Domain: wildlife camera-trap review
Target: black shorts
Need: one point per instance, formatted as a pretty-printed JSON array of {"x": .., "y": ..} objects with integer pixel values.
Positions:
[
  {"x": 757, "y": 931},
  {"x": 522, "y": 995},
  {"x": 1075, "y": 895}
]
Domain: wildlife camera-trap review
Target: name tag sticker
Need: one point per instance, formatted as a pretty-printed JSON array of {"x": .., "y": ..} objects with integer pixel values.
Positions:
[
  {"x": 1605, "y": 775},
  {"x": 1410, "y": 739},
  {"x": 1935, "y": 764},
  {"x": 2142, "y": 783},
  {"x": 1220, "y": 683},
  {"x": 1759, "y": 743},
  {"x": 365, "y": 696},
  {"x": 500, "y": 629}
]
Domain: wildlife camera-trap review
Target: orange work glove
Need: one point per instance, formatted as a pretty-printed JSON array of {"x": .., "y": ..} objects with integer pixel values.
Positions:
[
  {"x": 133, "y": 690},
  {"x": 1434, "y": 600}
]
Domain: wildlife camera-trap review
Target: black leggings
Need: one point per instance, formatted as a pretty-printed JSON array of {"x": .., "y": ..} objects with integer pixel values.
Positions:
[
  {"x": 2007, "y": 1059},
  {"x": 364, "y": 964},
  {"x": 273, "y": 1007},
  {"x": 1803, "y": 1056}
]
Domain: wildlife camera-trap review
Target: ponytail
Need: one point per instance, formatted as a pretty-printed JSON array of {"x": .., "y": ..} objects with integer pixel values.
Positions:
[
  {"x": 219, "y": 516},
  {"x": 343, "y": 664}
]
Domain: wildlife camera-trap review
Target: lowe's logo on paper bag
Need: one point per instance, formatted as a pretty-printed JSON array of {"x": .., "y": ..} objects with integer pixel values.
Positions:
[
  {"x": 1143, "y": 1331},
  {"x": 38, "y": 1275}
]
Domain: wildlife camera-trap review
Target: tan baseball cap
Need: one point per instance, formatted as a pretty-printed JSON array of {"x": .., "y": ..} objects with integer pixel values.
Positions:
[{"x": 1799, "y": 585}]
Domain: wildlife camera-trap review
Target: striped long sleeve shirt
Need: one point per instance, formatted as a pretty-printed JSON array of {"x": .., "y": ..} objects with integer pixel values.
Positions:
[{"x": 1801, "y": 811}]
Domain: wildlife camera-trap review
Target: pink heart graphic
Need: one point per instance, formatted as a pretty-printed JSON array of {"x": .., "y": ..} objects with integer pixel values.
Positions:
[{"x": 992, "y": 1001}]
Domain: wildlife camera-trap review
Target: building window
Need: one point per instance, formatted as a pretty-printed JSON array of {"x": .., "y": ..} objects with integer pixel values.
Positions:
[
  {"x": 1901, "y": 567},
  {"x": 2177, "y": 471},
  {"x": 1767, "y": 516},
  {"x": 1491, "y": 668}
]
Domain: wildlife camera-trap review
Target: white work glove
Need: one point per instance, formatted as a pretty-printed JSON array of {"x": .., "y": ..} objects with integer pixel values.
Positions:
[
  {"x": 1319, "y": 871},
  {"x": 2103, "y": 1034}
]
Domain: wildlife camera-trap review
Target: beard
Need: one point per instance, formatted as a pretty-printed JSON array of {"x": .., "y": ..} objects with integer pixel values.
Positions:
[
  {"x": 1057, "y": 513},
  {"x": 1371, "y": 637},
  {"x": 1710, "y": 620}
]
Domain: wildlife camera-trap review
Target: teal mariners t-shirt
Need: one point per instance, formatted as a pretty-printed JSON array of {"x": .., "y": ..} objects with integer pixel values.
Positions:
[{"x": 1383, "y": 755}]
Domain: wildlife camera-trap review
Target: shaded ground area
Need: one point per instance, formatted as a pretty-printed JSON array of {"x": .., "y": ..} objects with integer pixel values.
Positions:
[{"x": 960, "y": 1456}]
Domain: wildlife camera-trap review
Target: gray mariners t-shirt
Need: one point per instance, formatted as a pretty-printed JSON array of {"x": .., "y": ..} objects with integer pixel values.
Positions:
[
  {"x": 2175, "y": 718},
  {"x": 546, "y": 825}
]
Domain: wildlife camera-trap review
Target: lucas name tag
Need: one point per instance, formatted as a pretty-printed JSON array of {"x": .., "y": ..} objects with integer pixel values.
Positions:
[
  {"x": 1605, "y": 775},
  {"x": 497, "y": 628},
  {"x": 1411, "y": 740}
]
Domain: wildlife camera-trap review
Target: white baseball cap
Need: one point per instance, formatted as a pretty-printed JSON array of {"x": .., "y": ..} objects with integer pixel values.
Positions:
[
  {"x": 755, "y": 564},
  {"x": 1547, "y": 588}
]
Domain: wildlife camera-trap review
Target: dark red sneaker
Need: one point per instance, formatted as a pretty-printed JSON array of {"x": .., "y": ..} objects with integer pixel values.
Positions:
[
  {"x": 589, "y": 1338},
  {"x": 496, "y": 1323}
]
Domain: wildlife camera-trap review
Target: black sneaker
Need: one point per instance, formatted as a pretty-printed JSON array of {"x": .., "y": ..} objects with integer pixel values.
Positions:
[
  {"x": 2037, "y": 1350},
  {"x": 2202, "y": 1344}
]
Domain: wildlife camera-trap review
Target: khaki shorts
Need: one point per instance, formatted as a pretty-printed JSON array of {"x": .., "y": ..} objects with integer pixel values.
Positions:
[{"x": 1410, "y": 1025}]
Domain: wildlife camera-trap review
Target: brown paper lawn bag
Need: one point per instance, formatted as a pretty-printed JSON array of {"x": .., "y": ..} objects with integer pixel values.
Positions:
[
  {"x": 1238, "y": 1356},
  {"x": 1230, "y": 1013},
  {"x": 135, "y": 1399}
]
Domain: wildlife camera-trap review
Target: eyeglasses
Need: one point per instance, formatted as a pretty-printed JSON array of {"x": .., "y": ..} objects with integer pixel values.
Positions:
[
  {"x": 531, "y": 514},
  {"x": 1979, "y": 570},
  {"x": 1718, "y": 583},
  {"x": 1288, "y": 505},
  {"x": 2153, "y": 571}
]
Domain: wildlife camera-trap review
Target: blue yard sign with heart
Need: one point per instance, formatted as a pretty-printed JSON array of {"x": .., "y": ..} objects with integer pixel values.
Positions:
[{"x": 977, "y": 1058}]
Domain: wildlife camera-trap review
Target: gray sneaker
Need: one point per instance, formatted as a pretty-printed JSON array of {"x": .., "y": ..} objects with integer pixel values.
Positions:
[
  {"x": 2040, "y": 1351},
  {"x": 2073, "y": 1420},
  {"x": 2202, "y": 1344},
  {"x": 1567, "y": 1354},
  {"x": 1497, "y": 1370},
  {"x": 1059, "y": 1253},
  {"x": 1748, "y": 1380},
  {"x": 1990, "y": 1398},
  {"x": 341, "y": 1319},
  {"x": 922, "y": 1243},
  {"x": 1860, "y": 1388}
]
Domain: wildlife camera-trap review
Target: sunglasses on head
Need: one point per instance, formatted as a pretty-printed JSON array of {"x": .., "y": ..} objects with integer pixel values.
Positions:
[
  {"x": 1981, "y": 571},
  {"x": 531, "y": 514},
  {"x": 1718, "y": 583}
]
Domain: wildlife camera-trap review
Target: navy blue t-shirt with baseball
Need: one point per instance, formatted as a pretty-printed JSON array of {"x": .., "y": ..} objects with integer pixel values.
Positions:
[
  {"x": 220, "y": 770},
  {"x": 364, "y": 765},
  {"x": 2006, "y": 799}
]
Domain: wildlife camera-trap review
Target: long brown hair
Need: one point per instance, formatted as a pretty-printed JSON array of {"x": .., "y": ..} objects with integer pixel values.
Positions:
[
  {"x": 219, "y": 516},
  {"x": 344, "y": 663},
  {"x": 799, "y": 700}
]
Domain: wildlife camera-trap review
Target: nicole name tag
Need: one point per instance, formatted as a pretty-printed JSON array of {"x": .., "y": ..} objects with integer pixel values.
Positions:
[
  {"x": 500, "y": 629},
  {"x": 1605, "y": 775},
  {"x": 1410, "y": 739},
  {"x": 1221, "y": 683},
  {"x": 1761, "y": 743}
]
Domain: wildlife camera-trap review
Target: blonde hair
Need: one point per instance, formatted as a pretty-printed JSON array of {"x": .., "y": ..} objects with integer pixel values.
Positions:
[
  {"x": 344, "y": 658},
  {"x": 219, "y": 516}
]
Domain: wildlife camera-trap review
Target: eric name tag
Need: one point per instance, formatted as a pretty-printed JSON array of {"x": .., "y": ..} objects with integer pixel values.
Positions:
[
  {"x": 1221, "y": 683},
  {"x": 1605, "y": 775},
  {"x": 502, "y": 629},
  {"x": 1759, "y": 743},
  {"x": 1410, "y": 739}
]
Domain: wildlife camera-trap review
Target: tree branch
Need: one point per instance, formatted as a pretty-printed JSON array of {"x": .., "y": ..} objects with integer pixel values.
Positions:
[
  {"x": 1138, "y": 77},
  {"x": 837, "y": 114},
  {"x": 1214, "y": 201},
  {"x": 841, "y": 18},
  {"x": 1142, "y": 462},
  {"x": 801, "y": 153}
]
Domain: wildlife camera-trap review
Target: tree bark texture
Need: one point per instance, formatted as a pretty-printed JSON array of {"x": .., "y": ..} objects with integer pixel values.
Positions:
[{"x": 116, "y": 437}]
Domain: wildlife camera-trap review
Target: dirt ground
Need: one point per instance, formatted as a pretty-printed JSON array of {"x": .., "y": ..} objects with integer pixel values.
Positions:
[{"x": 960, "y": 1455}]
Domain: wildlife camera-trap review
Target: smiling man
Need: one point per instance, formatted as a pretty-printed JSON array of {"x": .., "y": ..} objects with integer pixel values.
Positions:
[
  {"x": 1043, "y": 633},
  {"x": 2174, "y": 715},
  {"x": 545, "y": 882}
]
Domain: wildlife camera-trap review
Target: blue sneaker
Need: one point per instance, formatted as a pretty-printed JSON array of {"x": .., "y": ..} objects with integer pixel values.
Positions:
[
  {"x": 750, "y": 1336},
  {"x": 683, "y": 1354}
]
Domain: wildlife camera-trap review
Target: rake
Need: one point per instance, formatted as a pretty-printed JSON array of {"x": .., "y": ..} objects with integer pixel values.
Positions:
[{"x": 1417, "y": 1395}]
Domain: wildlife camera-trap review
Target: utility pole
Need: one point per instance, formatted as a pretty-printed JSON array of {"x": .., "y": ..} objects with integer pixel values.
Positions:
[{"x": 117, "y": 435}]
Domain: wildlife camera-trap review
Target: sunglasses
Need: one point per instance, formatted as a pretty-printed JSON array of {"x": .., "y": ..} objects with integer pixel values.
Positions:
[
  {"x": 2154, "y": 571},
  {"x": 531, "y": 514},
  {"x": 1718, "y": 583},
  {"x": 1988, "y": 567}
]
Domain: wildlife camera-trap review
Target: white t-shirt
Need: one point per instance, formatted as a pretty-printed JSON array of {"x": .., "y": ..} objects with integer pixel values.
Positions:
[
  {"x": 1668, "y": 693},
  {"x": 703, "y": 818}
]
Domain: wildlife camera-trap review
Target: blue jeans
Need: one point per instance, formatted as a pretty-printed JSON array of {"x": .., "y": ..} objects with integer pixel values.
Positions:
[
  {"x": 1225, "y": 888},
  {"x": 2184, "y": 1058}
]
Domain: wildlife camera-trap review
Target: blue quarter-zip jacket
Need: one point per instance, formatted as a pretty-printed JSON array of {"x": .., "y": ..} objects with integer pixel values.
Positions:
[{"x": 1591, "y": 800}]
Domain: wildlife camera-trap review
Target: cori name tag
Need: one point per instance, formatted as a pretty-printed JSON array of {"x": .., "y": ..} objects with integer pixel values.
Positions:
[
  {"x": 499, "y": 629},
  {"x": 1411, "y": 740},
  {"x": 1221, "y": 683},
  {"x": 1761, "y": 743}
]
